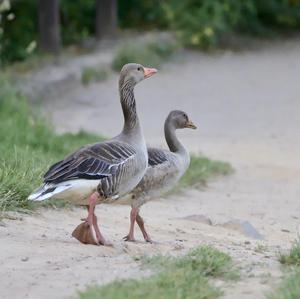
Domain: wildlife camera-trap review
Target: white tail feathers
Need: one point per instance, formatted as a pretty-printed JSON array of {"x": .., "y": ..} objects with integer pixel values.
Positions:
[{"x": 47, "y": 191}]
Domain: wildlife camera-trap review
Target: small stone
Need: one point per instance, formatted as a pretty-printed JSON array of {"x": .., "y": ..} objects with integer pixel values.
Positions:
[
  {"x": 247, "y": 242},
  {"x": 285, "y": 230},
  {"x": 244, "y": 227},
  {"x": 2, "y": 224},
  {"x": 199, "y": 218},
  {"x": 25, "y": 259},
  {"x": 178, "y": 247},
  {"x": 179, "y": 240}
]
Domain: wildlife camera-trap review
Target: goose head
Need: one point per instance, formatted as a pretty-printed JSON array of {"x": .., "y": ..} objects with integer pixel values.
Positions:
[
  {"x": 180, "y": 120},
  {"x": 133, "y": 73}
]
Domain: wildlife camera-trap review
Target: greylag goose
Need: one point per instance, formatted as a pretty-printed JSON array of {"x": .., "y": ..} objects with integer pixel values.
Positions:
[
  {"x": 164, "y": 170},
  {"x": 102, "y": 172}
]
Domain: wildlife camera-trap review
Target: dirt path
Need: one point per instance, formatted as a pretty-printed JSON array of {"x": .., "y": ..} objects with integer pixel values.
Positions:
[{"x": 247, "y": 108}]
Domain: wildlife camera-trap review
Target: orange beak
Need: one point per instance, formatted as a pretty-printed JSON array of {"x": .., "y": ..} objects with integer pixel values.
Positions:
[
  {"x": 148, "y": 72},
  {"x": 191, "y": 125}
]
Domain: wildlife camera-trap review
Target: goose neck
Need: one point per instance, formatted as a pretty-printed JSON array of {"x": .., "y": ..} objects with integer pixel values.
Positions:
[
  {"x": 174, "y": 144},
  {"x": 128, "y": 103}
]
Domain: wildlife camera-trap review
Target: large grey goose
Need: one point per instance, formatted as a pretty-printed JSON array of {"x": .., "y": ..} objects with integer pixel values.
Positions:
[
  {"x": 104, "y": 171},
  {"x": 165, "y": 168}
]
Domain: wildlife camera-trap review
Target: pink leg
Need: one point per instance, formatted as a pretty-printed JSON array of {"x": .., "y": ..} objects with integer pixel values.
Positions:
[
  {"x": 141, "y": 224},
  {"x": 133, "y": 214},
  {"x": 84, "y": 231},
  {"x": 91, "y": 209},
  {"x": 99, "y": 236}
]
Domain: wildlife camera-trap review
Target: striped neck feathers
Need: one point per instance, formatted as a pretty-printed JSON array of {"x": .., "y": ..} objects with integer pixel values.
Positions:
[{"x": 128, "y": 105}]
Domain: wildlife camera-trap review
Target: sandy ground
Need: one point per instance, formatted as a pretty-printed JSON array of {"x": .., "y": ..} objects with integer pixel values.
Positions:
[{"x": 247, "y": 108}]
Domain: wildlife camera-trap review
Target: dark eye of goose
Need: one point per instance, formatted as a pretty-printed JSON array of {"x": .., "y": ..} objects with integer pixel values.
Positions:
[{"x": 139, "y": 68}]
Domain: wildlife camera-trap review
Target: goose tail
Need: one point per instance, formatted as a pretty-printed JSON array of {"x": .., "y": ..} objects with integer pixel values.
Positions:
[{"x": 47, "y": 191}]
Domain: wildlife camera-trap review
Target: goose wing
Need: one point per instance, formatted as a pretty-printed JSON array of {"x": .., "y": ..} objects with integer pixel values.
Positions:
[
  {"x": 156, "y": 156},
  {"x": 92, "y": 162}
]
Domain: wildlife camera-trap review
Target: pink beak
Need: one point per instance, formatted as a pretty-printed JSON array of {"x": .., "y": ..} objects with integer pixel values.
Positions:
[{"x": 148, "y": 72}]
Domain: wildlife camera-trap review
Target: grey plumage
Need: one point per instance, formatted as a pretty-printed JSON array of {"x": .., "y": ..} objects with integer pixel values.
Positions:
[
  {"x": 164, "y": 170},
  {"x": 113, "y": 167},
  {"x": 101, "y": 161}
]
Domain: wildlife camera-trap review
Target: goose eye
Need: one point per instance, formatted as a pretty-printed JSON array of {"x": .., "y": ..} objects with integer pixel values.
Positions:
[{"x": 139, "y": 68}]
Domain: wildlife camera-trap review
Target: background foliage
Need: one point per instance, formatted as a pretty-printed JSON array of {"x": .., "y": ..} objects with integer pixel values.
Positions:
[{"x": 198, "y": 23}]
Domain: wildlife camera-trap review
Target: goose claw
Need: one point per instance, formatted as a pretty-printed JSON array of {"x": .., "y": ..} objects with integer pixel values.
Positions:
[
  {"x": 148, "y": 240},
  {"x": 129, "y": 239}
]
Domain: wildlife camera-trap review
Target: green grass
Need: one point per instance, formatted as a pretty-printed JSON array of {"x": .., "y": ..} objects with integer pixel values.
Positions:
[
  {"x": 185, "y": 277},
  {"x": 292, "y": 258},
  {"x": 90, "y": 74},
  {"x": 201, "y": 169},
  {"x": 149, "y": 53},
  {"x": 28, "y": 147},
  {"x": 289, "y": 288},
  {"x": 208, "y": 261}
]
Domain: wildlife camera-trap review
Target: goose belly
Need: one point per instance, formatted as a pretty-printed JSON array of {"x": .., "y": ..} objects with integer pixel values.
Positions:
[
  {"x": 158, "y": 185},
  {"x": 156, "y": 182}
]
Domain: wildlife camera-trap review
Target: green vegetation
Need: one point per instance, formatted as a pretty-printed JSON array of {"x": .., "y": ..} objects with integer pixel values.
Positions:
[
  {"x": 289, "y": 288},
  {"x": 198, "y": 23},
  {"x": 28, "y": 147},
  {"x": 206, "y": 24},
  {"x": 90, "y": 74},
  {"x": 209, "y": 261},
  {"x": 150, "y": 52},
  {"x": 293, "y": 257},
  {"x": 184, "y": 277},
  {"x": 201, "y": 169},
  {"x": 20, "y": 34}
]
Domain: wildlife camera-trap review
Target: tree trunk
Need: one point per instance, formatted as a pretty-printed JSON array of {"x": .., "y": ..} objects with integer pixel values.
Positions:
[
  {"x": 49, "y": 31},
  {"x": 106, "y": 18}
]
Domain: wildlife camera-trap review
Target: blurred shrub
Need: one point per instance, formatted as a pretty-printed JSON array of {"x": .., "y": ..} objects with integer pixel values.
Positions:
[
  {"x": 202, "y": 23},
  {"x": 77, "y": 19},
  {"x": 199, "y": 23},
  {"x": 151, "y": 51},
  {"x": 92, "y": 74},
  {"x": 20, "y": 33},
  {"x": 145, "y": 14}
]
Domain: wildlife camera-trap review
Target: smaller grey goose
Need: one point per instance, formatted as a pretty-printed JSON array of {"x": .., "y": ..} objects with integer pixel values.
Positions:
[
  {"x": 165, "y": 168},
  {"x": 103, "y": 171}
]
